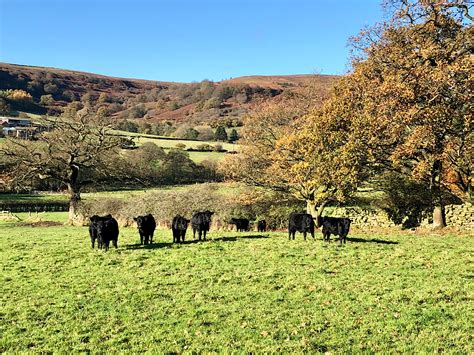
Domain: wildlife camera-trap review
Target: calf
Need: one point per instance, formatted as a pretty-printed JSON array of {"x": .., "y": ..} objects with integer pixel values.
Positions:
[
  {"x": 336, "y": 226},
  {"x": 107, "y": 231},
  {"x": 301, "y": 222},
  {"x": 242, "y": 224},
  {"x": 262, "y": 225},
  {"x": 146, "y": 228},
  {"x": 201, "y": 222},
  {"x": 93, "y": 228},
  {"x": 179, "y": 227}
]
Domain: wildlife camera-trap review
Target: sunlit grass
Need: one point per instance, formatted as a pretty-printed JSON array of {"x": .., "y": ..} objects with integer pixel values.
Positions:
[{"x": 239, "y": 291}]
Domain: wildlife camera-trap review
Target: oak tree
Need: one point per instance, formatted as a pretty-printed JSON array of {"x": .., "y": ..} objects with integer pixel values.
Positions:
[
  {"x": 76, "y": 151},
  {"x": 409, "y": 97}
]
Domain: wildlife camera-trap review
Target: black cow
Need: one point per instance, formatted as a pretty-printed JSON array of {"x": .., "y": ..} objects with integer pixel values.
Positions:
[
  {"x": 107, "y": 231},
  {"x": 146, "y": 228},
  {"x": 179, "y": 226},
  {"x": 93, "y": 228},
  {"x": 242, "y": 224},
  {"x": 262, "y": 225},
  {"x": 336, "y": 226},
  {"x": 301, "y": 222},
  {"x": 201, "y": 222}
]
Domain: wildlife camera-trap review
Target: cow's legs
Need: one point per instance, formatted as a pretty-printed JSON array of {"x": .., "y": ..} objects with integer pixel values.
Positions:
[
  {"x": 115, "y": 243},
  {"x": 205, "y": 231},
  {"x": 304, "y": 235},
  {"x": 312, "y": 234},
  {"x": 289, "y": 235},
  {"x": 182, "y": 236},
  {"x": 200, "y": 234},
  {"x": 93, "y": 242},
  {"x": 194, "y": 233},
  {"x": 343, "y": 237},
  {"x": 141, "y": 238},
  {"x": 151, "y": 237}
]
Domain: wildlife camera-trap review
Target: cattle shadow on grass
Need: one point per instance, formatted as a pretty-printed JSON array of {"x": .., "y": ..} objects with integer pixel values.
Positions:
[
  {"x": 233, "y": 239},
  {"x": 193, "y": 241},
  {"x": 373, "y": 240},
  {"x": 148, "y": 246}
]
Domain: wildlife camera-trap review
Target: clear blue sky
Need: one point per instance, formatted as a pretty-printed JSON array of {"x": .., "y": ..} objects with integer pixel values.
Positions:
[{"x": 184, "y": 40}]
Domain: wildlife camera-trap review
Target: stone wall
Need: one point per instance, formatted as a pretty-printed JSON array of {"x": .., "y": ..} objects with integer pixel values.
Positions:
[
  {"x": 456, "y": 216},
  {"x": 361, "y": 216},
  {"x": 460, "y": 215}
]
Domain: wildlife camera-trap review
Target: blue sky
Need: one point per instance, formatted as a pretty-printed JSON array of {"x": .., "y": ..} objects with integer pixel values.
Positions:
[{"x": 184, "y": 40}]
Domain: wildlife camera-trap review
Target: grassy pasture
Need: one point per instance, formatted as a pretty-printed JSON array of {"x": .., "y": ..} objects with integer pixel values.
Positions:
[
  {"x": 395, "y": 292},
  {"x": 167, "y": 143}
]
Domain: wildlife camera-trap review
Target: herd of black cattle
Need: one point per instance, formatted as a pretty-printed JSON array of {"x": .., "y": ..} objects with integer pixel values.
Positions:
[{"x": 105, "y": 229}]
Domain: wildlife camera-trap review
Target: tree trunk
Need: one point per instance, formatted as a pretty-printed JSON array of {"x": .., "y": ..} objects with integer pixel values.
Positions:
[
  {"x": 74, "y": 189},
  {"x": 311, "y": 207},
  {"x": 74, "y": 198},
  {"x": 320, "y": 212},
  {"x": 439, "y": 220}
]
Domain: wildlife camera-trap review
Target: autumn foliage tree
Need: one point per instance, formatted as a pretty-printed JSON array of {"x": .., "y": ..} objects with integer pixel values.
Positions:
[
  {"x": 409, "y": 100},
  {"x": 288, "y": 146}
]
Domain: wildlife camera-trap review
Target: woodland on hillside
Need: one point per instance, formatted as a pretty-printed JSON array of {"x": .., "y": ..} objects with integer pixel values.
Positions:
[{"x": 181, "y": 110}]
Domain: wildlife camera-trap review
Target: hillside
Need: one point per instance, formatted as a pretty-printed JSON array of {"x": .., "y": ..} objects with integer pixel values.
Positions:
[{"x": 144, "y": 102}]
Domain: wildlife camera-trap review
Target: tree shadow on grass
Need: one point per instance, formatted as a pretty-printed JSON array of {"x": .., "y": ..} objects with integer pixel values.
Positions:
[{"x": 373, "y": 240}]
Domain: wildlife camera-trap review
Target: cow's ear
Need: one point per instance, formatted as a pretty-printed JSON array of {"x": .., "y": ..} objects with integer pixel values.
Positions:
[{"x": 135, "y": 219}]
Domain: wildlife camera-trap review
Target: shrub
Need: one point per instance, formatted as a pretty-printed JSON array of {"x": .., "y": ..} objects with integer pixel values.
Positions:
[
  {"x": 221, "y": 134},
  {"x": 50, "y": 88},
  {"x": 46, "y": 100},
  {"x": 129, "y": 126},
  {"x": 234, "y": 136},
  {"x": 4, "y": 107},
  {"x": 204, "y": 147},
  {"x": 16, "y": 95}
]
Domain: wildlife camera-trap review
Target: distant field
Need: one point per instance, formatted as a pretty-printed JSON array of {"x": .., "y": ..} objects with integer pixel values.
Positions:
[
  {"x": 121, "y": 194},
  {"x": 238, "y": 292},
  {"x": 167, "y": 142},
  {"x": 198, "y": 157}
]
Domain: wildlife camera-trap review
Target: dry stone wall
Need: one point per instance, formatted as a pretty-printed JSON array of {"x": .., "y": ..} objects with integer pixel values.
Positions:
[{"x": 456, "y": 216}]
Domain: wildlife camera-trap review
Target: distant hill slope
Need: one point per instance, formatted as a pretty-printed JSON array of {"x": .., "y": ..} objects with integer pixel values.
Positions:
[{"x": 203, "y": 103}]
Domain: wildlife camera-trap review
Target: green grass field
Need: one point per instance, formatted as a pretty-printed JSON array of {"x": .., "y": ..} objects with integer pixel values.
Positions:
[{"x": 236, "y": 292}]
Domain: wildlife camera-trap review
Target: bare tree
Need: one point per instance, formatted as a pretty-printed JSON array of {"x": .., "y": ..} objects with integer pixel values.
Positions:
[{"x": 75, "y": 152}]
